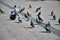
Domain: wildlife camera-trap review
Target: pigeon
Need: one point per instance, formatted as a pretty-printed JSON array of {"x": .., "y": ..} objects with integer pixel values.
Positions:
[
  {"x": 40, "y": 18},
  {"x": 38, "y": 9},
  {"x": 1, "y": 11},
  {"x": 32, "y": 24},
  {"x": 28, "y": 14},
  {"x": 39, "y": 14},
  {"x": 52, "y": 13},
  {"x": 54, "y": 17},
  {"x": 22, "y": 9},
  {"x": 30, "y": 6},
  {"x": 59, "y": 21},
  {"x": 19, "y": 20}
]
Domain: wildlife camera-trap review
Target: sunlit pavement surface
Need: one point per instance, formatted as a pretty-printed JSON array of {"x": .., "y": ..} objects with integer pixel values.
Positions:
[{"x": 11, "y": 30}]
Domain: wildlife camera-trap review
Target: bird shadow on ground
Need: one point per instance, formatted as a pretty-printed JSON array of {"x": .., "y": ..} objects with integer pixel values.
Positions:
[
  {"x": 49, "y": 15},
  {"x": 23, "y": 18},
  {"x": 57, "y": 24},
  {"x": 44, "y": 32},
  {"x": 28, "y": 27},
  {"x": 55, "y": 31},
  {"x": 51, "y": 19},
  {"x": 2, "y": 13},
  {"x": 17, "y": 22}
]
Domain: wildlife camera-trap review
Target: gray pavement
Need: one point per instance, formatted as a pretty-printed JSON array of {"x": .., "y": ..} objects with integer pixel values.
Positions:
[{"x": 11, "y": 30}]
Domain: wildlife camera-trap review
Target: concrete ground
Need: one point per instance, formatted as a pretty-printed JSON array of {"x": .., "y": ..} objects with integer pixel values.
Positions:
[{"x": 11, "y": 30}]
